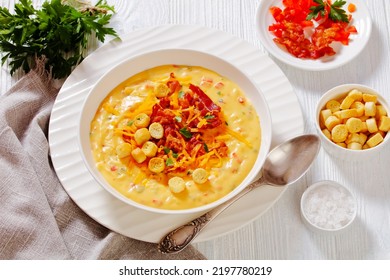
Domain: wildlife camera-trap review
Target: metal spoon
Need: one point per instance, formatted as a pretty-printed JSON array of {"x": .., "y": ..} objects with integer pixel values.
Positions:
[{"x": 284, "y": 165}]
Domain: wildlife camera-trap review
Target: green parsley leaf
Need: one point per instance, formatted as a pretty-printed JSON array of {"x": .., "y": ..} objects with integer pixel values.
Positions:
[
  {"x": 169, "y": 162},
  {"x": 185, "y": 132},
  {"x": 181, "y": 94},
  {"x": 57, "y": 33},
  {"x": 209, "y": 117},
  {"x": 336, "y": 12},
  {"x": 166, "y": 150},
  {"x": 205, "y": 147},
  {"x": 315, "y": 10}
]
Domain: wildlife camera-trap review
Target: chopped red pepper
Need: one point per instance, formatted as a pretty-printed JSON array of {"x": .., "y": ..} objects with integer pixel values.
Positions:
[
  {"x": 351, "y": 8},
  {"x": 114, "y": 168},
  {"x": 291, "y": 26}
]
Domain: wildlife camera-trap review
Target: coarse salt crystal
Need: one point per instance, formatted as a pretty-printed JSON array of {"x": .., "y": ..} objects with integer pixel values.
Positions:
[{"x": 329, "y": 206}]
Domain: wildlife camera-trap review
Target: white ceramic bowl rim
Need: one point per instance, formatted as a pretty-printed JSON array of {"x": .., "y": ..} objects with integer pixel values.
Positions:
[
  {"x": 343, "y": 90},
  {"x": 312, "y": 188},
  {"x": 157, "y": 58}
]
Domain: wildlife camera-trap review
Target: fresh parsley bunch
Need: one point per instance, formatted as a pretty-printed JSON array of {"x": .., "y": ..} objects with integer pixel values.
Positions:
[
  {"x": 57, "y": 32},
  {"x": 333, "y": 10}
]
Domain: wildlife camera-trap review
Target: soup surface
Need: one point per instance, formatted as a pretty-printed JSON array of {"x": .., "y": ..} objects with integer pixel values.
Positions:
[{"x": 175, "y": 137}]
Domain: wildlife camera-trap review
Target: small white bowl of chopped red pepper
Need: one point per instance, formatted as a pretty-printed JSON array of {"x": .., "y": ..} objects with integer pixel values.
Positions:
[{"x": 313, "y": 35}]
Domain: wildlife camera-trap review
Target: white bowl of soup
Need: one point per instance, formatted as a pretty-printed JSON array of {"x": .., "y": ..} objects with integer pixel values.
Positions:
[{"x": 175, "y": 131}]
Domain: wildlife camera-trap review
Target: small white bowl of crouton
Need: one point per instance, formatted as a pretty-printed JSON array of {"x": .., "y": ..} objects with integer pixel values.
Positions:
[{"x": 352, "y": 120}]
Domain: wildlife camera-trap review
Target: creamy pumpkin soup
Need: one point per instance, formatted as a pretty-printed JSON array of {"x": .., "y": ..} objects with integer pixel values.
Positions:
[{"x": 175, "y": 137}]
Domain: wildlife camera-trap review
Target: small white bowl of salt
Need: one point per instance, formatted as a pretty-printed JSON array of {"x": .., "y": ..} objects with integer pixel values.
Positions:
[{"x": 327, "y": 206}]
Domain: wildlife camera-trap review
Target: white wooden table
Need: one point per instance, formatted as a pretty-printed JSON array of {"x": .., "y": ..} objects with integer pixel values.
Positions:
[{"x": 280, "y": 233}]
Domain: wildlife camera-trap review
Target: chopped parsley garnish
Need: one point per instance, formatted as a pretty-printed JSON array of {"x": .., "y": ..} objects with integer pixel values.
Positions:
[
  {"x": 209, "y": 117},
  {"x": 186, "y": 133},
  {"x": 169, "y": 162}
]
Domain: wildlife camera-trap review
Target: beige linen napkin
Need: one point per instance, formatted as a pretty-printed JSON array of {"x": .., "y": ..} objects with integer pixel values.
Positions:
[{"x": 38, "y": 220}]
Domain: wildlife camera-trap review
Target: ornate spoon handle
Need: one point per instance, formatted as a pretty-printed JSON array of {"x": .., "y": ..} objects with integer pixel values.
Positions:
[{"x": 179, "y": 238}]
